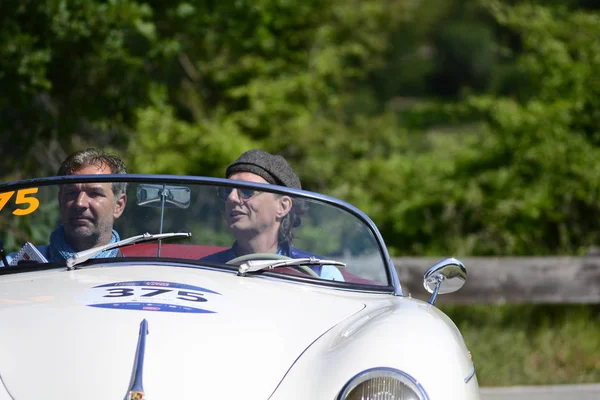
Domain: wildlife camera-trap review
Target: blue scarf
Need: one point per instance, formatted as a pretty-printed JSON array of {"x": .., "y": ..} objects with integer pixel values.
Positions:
[{"x": 59, "y": 249}]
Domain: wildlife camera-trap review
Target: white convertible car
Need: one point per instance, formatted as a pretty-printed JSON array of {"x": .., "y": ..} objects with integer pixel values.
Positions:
[{"x": 169, "y": 310}]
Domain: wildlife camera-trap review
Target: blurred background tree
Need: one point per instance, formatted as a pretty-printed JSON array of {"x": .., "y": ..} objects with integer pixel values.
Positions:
[
  {"x": 71, "y": 72},
  {"x": 461, "y": 126}
]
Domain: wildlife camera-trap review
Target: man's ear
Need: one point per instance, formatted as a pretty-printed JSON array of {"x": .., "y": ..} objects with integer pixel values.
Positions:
[
  {"x": 120, "y": 206},
  {"x": 285, "y": 205}
]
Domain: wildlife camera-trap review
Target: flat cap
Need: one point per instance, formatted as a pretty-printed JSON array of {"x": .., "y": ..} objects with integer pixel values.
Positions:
[{"x": 273, "y": 168}]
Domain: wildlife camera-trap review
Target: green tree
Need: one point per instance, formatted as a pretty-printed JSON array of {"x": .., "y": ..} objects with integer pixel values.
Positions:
[
  {"x": 517, "y": 173},
  {"x": 268, "y": 73},
  {"x": 70, "y": 69}
]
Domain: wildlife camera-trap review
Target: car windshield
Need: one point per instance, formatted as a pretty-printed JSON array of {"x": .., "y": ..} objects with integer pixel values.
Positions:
[{"x": 205, "y": 222}]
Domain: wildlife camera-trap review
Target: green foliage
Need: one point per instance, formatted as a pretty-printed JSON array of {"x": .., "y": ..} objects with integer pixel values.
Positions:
[
  {"x": 506, "y": 165},
  {"x": 70, "y": 68},
  {"x": 531, "y": 344},
  {"x": 503, "y": 174},
  {"x": 166, "y": 144},
  {"x": 257, "y": 73},
  {"x": 546, "y": 136}
]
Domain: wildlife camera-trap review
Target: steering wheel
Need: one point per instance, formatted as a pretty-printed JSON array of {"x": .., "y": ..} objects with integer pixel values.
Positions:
[{"x": 271, "y": 256}]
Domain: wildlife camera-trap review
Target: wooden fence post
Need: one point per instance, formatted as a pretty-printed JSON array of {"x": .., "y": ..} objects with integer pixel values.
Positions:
[{"x": 499, "y": 280}]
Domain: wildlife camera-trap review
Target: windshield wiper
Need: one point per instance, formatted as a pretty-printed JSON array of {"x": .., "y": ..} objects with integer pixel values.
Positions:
[
  {"x": 259, "y": 265},
  {"x": 85, "y": 255}
]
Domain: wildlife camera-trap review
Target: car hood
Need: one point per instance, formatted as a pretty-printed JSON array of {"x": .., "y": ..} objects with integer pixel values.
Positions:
[{"x": 212, "y": 334}]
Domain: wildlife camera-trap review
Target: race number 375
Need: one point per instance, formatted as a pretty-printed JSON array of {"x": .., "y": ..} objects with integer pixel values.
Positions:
[{"x": 22, "y": 197}]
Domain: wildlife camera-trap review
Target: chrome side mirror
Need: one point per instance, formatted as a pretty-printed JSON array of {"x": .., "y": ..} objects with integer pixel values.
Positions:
[{"x": 447, "y": 276}]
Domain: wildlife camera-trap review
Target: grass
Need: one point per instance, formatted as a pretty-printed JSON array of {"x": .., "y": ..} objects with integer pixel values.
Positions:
[{"x": 531, "y": 344}]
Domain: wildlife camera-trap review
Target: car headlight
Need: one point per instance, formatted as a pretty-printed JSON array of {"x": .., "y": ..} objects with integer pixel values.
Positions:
[{"x": 383, "y": 384}]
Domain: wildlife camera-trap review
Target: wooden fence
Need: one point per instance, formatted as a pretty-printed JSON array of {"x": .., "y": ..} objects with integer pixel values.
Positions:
[{"x": 499, "y": 280}]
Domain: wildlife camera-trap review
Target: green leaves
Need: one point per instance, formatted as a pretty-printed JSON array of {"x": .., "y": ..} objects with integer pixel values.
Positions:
[
  {"x": 460, "y": 127},
  {"x": 68, "y": 68}
]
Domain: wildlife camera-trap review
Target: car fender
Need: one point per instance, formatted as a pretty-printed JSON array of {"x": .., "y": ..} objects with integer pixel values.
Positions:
[{"x": 426, "y": 345}]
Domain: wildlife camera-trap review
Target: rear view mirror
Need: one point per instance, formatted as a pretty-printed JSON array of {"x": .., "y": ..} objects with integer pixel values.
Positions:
[{"x": 163, "y": 195}]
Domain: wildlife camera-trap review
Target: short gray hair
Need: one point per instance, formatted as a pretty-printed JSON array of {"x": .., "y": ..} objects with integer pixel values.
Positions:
[{"x": 98, "y": 158}]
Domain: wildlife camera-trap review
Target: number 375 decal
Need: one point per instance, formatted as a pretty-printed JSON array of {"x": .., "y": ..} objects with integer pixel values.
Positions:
[
  {"x": 153, "y": 296},
  {"x": 23, "y": 197},
  {"x": 151, "y": 292}
]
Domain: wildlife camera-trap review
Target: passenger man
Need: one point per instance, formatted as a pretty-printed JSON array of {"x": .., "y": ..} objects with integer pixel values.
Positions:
[{"x": 263, "y": 222}]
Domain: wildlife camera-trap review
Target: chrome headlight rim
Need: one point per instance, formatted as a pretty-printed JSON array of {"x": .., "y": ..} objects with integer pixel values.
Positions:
[{"x": 378, "y": 372}]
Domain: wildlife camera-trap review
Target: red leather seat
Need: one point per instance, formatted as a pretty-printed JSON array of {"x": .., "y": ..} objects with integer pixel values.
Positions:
[
  {"x": 196, "y": 252},
  {"x": 189, "y": 251}
]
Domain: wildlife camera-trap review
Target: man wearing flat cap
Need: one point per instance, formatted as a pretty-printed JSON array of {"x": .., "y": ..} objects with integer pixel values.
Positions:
[
  {"x": 272, "y": 169},
  {"x": 262, "y": 222}
]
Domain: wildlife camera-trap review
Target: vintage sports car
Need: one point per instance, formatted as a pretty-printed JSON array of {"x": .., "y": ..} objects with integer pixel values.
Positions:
[{"x": 169, "y": 310}]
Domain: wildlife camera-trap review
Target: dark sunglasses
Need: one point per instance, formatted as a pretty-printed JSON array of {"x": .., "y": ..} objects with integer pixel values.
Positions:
[{"x": 244, "y": 194}]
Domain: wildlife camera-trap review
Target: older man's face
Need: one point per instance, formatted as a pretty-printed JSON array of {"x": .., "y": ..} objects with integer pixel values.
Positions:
[
  {"x": 88, "y": 210},
  {"x": 259, "y": 214}
]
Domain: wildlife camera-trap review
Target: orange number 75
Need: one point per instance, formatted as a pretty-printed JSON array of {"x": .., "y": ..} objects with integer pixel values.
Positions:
[{"x": 22, "y": 198}]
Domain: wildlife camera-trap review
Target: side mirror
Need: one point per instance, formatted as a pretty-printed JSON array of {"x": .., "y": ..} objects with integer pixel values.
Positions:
[
  {"x": 447, "y": 276},
  {"x": 163, "y": 196}
]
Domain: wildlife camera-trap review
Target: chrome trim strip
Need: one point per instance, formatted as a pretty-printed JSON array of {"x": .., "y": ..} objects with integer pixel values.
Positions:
[
  {"x": 471, "y": 375},
  {"x": 136, "y": 386}
]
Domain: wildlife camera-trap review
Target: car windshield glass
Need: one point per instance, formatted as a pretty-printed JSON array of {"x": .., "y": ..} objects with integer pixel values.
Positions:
[{"x": 229, "y": 223}]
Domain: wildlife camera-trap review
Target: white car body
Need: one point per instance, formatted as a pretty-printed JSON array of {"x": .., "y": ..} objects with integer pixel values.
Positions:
[{"x": 207, "y": 332}]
